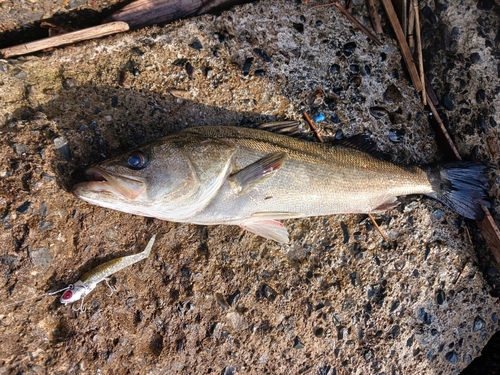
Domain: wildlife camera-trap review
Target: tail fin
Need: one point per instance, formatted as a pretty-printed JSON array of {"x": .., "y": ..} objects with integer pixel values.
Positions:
[{"x": 462, "y": 186}]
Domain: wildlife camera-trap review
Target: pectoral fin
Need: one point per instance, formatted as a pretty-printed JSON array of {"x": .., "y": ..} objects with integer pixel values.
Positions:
[
  {"x": 268, "y": 228},
  {"x": 257, "y": 172}
]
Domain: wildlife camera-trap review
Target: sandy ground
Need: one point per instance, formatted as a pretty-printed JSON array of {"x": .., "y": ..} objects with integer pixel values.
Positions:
[{"x": 337, "y": 299}]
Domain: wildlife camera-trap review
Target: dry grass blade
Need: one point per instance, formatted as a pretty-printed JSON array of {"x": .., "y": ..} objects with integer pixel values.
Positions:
[
  {"x": 68, "y": 38},
  {"x": 378, "y": 228},
  {"x": 313, "y": 127},
  {"x": 372, "y": 10},
  {"x": 419, "y": 50},
  {"x": 405, "y": 49},
  {"x": 353, "y": 20}
]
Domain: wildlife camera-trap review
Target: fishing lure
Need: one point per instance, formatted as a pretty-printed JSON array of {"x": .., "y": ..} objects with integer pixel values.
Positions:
[{"x": 89, "y": 280}]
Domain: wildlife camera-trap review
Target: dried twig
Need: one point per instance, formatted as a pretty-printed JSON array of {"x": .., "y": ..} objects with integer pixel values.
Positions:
[
  {"x": 419, "y": 50},
  {"x": 372, "y": 10},
  {"x": 68, "y": 38},
  {"x": 411, "y": 27},
  {"x": 405, "y": 50},
  {"x": 353, "y": 20},
  {"x": 313, "y": 127},
  {"x": 378, "y": 228}
]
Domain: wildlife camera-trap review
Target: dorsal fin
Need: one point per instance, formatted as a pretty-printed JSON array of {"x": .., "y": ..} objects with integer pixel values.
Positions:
[
  {"x": 363, "y": 142},
  {"x": 290, "y": 128}
]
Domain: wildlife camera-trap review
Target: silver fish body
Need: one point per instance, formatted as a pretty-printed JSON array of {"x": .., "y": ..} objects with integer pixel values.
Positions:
[{"x": 252, "y": 178}]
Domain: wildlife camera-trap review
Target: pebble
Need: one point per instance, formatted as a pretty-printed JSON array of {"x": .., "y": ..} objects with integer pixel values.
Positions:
[
  {"x": 299, "y": 27},
  {"x": 44, "y": 225},
  {"x": 40, "y": 257},
  {"x": 69, "y": 83},
  {"x": 336, "y": 119},
  {"x": 349, "y": 48},
  {"x": 475, "y": 57},
  {"x": 392, "y": 94},
  {"x": 23, "y": 209},
  {"x": 247, "y": 66},
  {"x": 228, "y": 370},
  {"x": 196, "y": 45},
  {"x": 452, "y": 357},
  {"x": 440, "y": 297},
  {"x": 447, "y": 103},
  {"x": 20, "y": 148},
  {"x": 262, "y": 54},
  {"x": 114, "y": 101},
  {"x": 480, "y": 96},
  {"x": 424, "y": 316},
  {"x": 21, "y": 74},
  {"x": 335, "y": 68},
  {"x": 189, "y": 69},
  {"x": 297, "y": 344},
  {"x": 62, "y": 145},
  {"x": 260, "y": 73},
  {"x": 396, "y": 135},
  {"x": 478, "y": 324},
  {"x": 378, "y": 112}
]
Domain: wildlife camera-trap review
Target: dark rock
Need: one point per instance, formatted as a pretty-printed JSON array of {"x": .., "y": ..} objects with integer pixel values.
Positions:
[
  {"x": 299, "y": 27},
  {"x": 392, "y": 94},
  {"x": 189, "y": 69},
  {"x": 354, "y": 68},
  {"x": 475, "y": 57},
  {"x": 297, "y": 344},
  {"x": 440, "y": 297},
  {"x": 335, "y": 68},
  {"x": 349, "y": 48},
  {"x": 424, "y": 316},
  {"x": 62, "y": 145},
  {"x": 259, "y": 73},
  {"x": 114, "y": 101},
  {"x": 345, "y": 230},
  {"x": 196, "y": 45},
  {"x": 447, "y": 103},
  {"x": 478, "y": 324},
  {"x": 24, "y": 207},
  {"x": 262, "y": 54},
  {"x": 247, "y": 66},
  {"x": 396, "y": 135},
  {"x": 429, "y": 14},
  {"x": 228, "y": 370},
  {"x": 485, "y": 4},
  {"x": 452, "y": 357},
  {"x": 480, "y": 96}
]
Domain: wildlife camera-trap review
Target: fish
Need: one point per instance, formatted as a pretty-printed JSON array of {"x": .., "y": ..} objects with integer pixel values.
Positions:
[
  {"x": 255, "y": 178},
  {"x": 88, "y": 282}
]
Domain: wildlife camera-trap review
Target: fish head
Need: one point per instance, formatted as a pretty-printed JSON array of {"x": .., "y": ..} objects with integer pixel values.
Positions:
[
  {"x": 155, "y": 174},
  {"x": 171, "y": 178}
]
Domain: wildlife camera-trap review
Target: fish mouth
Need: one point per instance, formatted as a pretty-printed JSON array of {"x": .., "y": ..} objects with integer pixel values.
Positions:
[{"x": 99, "y": 180}]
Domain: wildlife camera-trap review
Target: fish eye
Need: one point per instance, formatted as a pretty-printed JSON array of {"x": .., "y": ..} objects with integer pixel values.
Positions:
[{"x": 137, "y": 160}]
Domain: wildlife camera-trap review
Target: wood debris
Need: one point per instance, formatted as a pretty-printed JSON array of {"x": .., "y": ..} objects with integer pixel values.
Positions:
[{"x": 62, "y": 39}]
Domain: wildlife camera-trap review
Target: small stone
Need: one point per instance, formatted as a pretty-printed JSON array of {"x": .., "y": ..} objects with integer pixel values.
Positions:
[
  {"x": 396, "y": 135},
  {"x": 44, "y": 225},
  {"x": 238, "y": 322},
  {"x": 392, "y": 94},
  {"x": 20, "y": 148},
  {"x": 440, "y": 297},
  {"x": 424, "y": 316},
  {"x": 209, "y": 73},
  {"x": 485, "y": 4},
  {"x": 234, "y": 298},
  {"x": 40, "y": 257},
  {"x": 247, "y": 66},
  {"x": 299, "y": 27},
  {"x": 354, "y": 68},
  {"x": 189, "y": 69},
  {"x": 24, "y": 207},
  {"x": 475, "y": 57},
  {"x": 228, "y": 370},
  {"x": 21, "y": 74},
  {"x": 378, "y": 112},
  {"x": 69, "y": 83},
  {"x": 437, "y": 214},
  {"x": 62, "y": 145},
  {"x": 260, "y": 73},
  {"x": 452, "y": 357},
  {"x": 480, "y": 96},
  {"x": 297, "y": 344},
  {"x": 196, "y": 45},
  {"x": 478, "y": 324},
  {"x": 336, "y": 119},
  {"x": 262, "y": 54},
  {"x": 447, "y": 103},
  {"x": 335, "y": 68},
  {"x": 114, "y": 101},
  {"x": 349, "y": 48}
]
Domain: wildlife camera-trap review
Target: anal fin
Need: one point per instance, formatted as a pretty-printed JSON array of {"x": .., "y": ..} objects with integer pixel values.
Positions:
[
  {"x": 257, "y": 172},
  {"x": 268, "y": 228}
]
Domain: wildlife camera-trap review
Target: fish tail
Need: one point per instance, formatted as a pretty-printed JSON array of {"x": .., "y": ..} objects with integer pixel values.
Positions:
[{"x": 462, "y": 186}]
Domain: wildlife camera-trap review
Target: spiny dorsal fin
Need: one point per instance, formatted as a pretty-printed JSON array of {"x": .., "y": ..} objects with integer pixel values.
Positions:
[
  {"x": 290, "y": 128},
  {"x": 363, "y": 142}
]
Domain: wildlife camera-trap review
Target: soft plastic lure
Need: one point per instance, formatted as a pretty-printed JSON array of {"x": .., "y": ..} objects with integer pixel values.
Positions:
[{"x": 89, "y": 280}]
